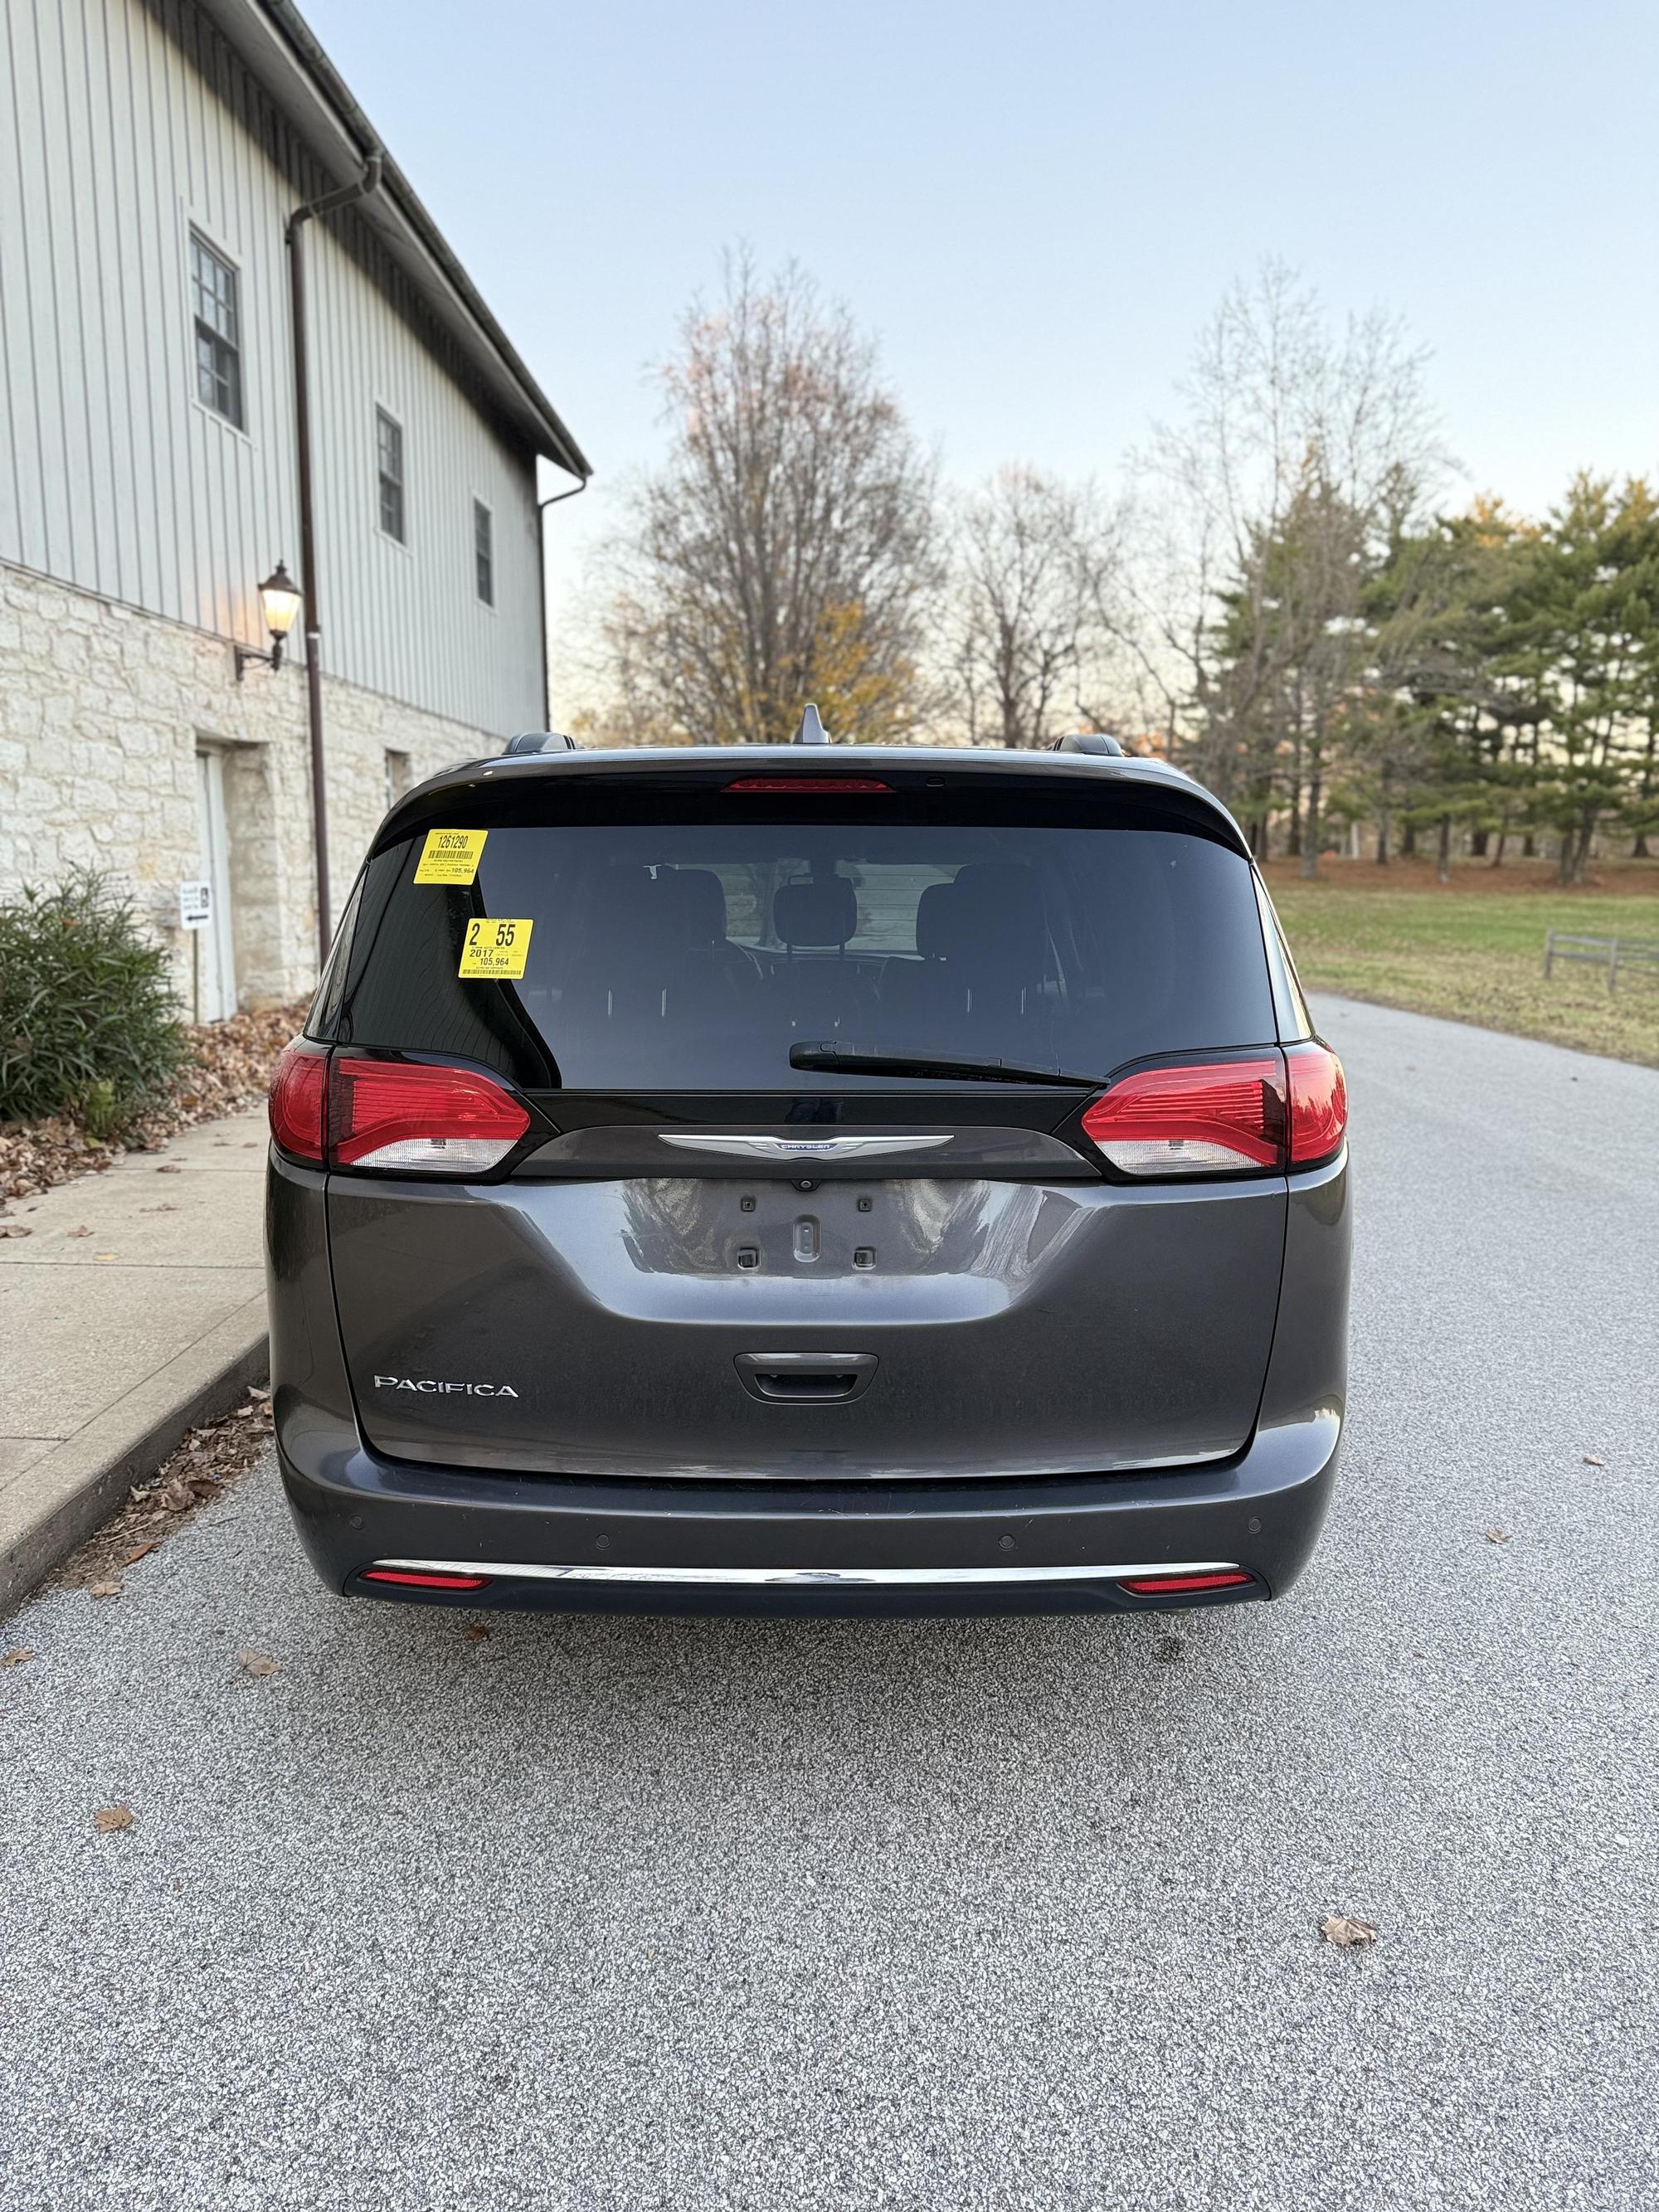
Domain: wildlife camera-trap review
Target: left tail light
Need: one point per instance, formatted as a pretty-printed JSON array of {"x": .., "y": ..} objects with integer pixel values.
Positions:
[
  {"x": 400, "y": 1114},
  {"x": 1262, "y": 1112},
  {"x": 299, "y": 1101}
]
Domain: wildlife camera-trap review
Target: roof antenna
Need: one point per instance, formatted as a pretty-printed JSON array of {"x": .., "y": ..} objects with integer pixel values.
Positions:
[{"x": 811, "y": 731}]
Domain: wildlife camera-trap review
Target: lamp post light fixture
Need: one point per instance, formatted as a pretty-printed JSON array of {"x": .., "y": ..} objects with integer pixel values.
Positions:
[{"x": 280, "y": 596}]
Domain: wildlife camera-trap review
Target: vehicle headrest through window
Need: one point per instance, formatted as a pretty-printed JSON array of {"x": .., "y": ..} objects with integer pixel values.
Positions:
[
  {"x": 933, "y": 921},
  {"x": 820, "y": 914},
  {"x": 696, "y": 903},
  {"x": 995, "y": 919}
]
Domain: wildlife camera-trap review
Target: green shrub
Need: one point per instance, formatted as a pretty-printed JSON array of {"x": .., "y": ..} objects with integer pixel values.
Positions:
[{"x": 88, "y": 1026}]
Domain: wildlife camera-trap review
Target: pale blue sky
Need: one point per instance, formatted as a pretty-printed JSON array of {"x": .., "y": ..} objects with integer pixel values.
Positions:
[{"x": 1034, "y": 205}]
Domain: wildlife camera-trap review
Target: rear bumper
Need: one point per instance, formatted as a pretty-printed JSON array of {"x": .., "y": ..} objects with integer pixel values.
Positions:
[{"x": 575, "y": 1544}]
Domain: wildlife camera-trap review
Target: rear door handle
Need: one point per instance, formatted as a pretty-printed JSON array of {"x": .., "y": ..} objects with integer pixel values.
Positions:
[{"x": 805, "y": 1377}]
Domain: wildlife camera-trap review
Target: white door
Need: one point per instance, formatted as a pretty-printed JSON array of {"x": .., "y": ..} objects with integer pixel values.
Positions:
[{"x": 214, "y": 957}]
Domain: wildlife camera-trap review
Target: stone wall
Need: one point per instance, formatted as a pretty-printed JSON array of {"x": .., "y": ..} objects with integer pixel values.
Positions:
[{"x": 102, "y": 711}]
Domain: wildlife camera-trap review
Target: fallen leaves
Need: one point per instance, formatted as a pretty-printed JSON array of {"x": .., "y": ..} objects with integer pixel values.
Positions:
[
  {"x": 15, "y": 1229},
  {"x": 475, "y": 1631},
  {"x": 110, "y": 1820},
  {"x": 257, "y": 1663},
  {"x": 17, "y": 1655},
  {"x": 35, "y": 1155},
  {"x": 180, "y": 1491},
  {"x": 170, "y": 1167},
  {"x": 81, "y": 1231},
  {"x": 1590, "y": 1459},
  {"x": 203, "y": 1468},
  {"x": 230, "y": 1071},
  {"x": 1497, "y": 1535},
  {"x": 1347, "y": 1934}
]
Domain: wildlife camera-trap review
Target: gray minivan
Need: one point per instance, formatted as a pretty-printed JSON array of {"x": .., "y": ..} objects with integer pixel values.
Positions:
[{"x": 809, "y": 1181}]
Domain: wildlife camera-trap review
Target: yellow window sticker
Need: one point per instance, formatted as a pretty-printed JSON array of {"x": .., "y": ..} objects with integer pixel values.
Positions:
[
  {"x": 497, "y": 950},
  {"x": 449, "y": 856}
]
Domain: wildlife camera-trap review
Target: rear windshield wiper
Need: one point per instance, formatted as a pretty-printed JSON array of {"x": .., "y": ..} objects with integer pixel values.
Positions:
[{"x": 842, "y": 1059}]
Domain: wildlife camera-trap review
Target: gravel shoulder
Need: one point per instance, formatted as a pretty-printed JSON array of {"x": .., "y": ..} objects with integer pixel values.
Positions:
[{"x": 1024, "y": 1914}]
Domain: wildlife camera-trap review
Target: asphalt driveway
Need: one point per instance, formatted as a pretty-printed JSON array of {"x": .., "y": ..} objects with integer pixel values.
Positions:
[{"x": 1022, "y": 1914}]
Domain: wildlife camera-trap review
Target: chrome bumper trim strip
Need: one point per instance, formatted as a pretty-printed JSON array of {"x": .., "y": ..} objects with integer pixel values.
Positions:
[{"x": 846, "y": 1577}]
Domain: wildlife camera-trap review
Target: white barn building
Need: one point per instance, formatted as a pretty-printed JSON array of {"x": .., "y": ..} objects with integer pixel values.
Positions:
[{"x": 155, "y": 154}]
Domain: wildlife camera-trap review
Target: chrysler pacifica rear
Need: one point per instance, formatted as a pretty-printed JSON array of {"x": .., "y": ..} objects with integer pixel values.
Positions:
[{"x": 829, "y": 1182}]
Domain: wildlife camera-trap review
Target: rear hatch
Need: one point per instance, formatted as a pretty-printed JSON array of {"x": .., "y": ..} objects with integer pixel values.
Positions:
[{"x": 724, "y": 1245}]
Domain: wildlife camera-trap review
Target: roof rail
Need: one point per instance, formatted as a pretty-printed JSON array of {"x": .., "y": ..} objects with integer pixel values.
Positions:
[
  {"x": 1088, "y": 741},
  {"x": 811, "y": 731},
  {"x": 538, "y": 741}
]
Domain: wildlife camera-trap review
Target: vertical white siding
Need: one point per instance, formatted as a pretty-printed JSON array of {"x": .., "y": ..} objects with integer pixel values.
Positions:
[{"x": 123, "y": 124}]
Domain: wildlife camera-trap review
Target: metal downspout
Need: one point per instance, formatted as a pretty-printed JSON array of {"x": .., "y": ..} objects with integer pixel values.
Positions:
[
  {"x": 344, "y": 196},
  {"x": 542, "y": 505}
]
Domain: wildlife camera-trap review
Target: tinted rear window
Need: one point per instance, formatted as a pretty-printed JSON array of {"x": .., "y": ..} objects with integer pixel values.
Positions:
[{"x": 689, "y": 955}]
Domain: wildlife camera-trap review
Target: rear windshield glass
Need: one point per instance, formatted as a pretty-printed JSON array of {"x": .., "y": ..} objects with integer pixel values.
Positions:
[{"x": 688, "y": 956}]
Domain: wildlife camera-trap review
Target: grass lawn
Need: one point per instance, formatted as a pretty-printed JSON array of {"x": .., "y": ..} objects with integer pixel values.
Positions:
[{"x": 1473, "y": 949}]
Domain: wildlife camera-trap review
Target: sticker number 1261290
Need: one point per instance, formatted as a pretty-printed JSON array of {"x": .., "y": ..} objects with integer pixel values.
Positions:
[
  {"x": 497, "y": 950},
  {"x": 449, "y": 856}
]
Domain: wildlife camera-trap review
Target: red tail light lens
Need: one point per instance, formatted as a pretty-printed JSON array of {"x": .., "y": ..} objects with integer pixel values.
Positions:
[
  {"x": 397, "y": 1113},
  {"x": 390, "y": 1114},
  {"x": 1319, "y": 1104},
  {"x": 1199, "y": 1119},
  {"x": 299, "y": 1101},
  {"x": 1220, "y": 1578},
  {"x": 1275, "y": 1110}
]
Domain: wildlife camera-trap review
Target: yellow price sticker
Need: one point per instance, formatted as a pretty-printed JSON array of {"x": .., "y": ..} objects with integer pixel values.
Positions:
[
  {"x": 449, "y": 856},
  {"x": 497, "y": 950}
]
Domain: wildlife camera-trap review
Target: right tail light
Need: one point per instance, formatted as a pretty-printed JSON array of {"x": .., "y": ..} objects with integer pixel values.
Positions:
[
  {"x": 1319, "y": 1104},
  {"x": 1262, "y": 1113}
]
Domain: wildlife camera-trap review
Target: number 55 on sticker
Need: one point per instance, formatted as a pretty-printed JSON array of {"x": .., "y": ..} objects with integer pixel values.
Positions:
[{"x": 497, "y": 950}]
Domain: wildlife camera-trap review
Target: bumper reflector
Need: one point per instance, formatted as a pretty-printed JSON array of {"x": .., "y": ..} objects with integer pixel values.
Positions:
[
  {"x": 1177, "y": 1585},
  {"x": 407, "y": 1580}
]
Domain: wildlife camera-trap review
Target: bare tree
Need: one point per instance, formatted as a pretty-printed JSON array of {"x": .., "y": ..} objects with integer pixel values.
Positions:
[
  {"x": 1032, "y": 557},
  {"x": 785, "y": 550},
  {"x": 1297, "y": 443}
]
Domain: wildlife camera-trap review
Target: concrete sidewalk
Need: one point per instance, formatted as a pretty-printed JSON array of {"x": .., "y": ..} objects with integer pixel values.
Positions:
[{"x": 134, "y": 1310}]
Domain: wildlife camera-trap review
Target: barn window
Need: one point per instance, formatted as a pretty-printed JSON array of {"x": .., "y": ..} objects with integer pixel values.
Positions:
[
  {"x": 215, "y": 290},
  {"x": 483, "y": 552},
  {"x": 389, "y": 454}
]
